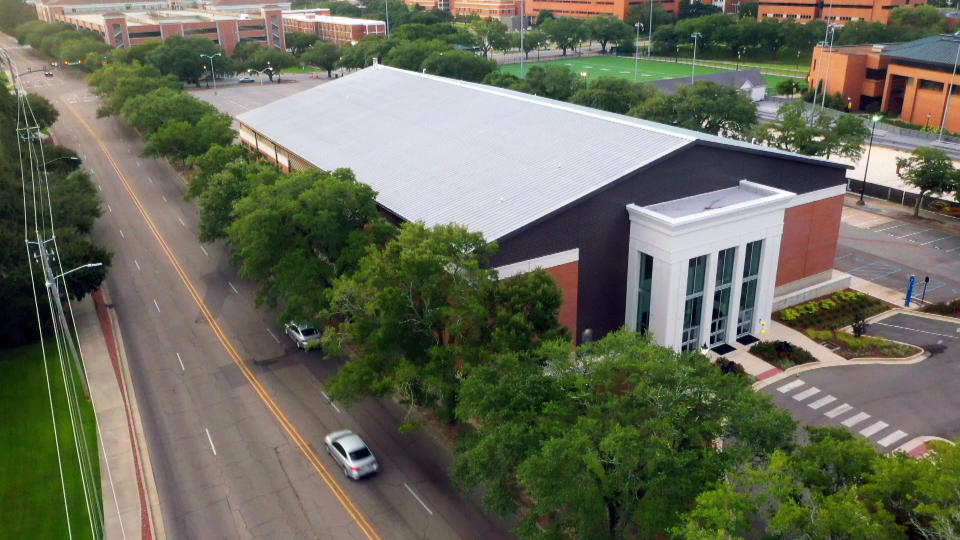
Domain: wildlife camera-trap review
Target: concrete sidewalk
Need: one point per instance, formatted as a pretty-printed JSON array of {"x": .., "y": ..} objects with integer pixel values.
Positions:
[{"x": 127, "y": 513}]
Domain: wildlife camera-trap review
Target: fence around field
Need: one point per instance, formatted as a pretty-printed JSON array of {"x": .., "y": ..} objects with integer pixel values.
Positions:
[
  {"x": 731, "y": 66},
  {"x": 906, "y": 198}
]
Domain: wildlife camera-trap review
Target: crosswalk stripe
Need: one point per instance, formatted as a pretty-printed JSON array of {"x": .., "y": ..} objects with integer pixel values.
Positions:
[
  {"x": 855, "y": 419},
  {"x": 790, "y": 386},
  {"x": 821, "y": 402},
  {"x": 833, "y": 413},
  {"x": 891, "y": 438},
  {"x": 807, "y": 393},
  {"x": 873, "y": 429}
]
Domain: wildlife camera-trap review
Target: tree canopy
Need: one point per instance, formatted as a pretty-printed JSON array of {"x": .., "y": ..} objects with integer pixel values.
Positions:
[
  {"x": 931, "y": 171},
  {"x": 565, "y": 32},
  {"x": 825, "y": 135},
  {"x": 324, "y": 55},
  {"x": 703, "y": 106}
]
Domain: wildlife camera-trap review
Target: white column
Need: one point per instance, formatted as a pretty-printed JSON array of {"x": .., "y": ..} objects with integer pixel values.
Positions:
[
  {"x": 767, "y": 280},
  {"x": 668, "y": 291},
  {"x": 633, "y": 288},
  {"x": 736, "y": 289},
  {"x": 709, "y": 287}
]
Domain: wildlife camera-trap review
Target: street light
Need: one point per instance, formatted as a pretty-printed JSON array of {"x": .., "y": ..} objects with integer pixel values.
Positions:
[
  {"x": 260, "y": 72},
  {"x": 650, "y": 37},
  {"x": 76, "y": 160},
  {"x": 213, "y": 74},
  {"x": 946, "y": 108},
  {"x": 693, "y": 66},
  {"x": 832, "y": 28},
  {"x": 636, "y": 50},
  {"x": 89, "y": 265},
  {"x": 583, "y": 74},
  {"x": 875, "y": 118},
  {"x": 739, "y": 54}
]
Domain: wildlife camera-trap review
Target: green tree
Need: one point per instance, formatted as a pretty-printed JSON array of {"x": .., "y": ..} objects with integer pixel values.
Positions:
[
  {"x": 506, "y": 80},
  {"x": 552, "y": 81},
  {"x": 789, "y": 87},
  {"x": 148, "y": 112},
  {"x": 463, "y": 65},
  {"x": 211, "y": 162},
  {"x": 596, "y": 446},
  {"x": 295, "y": 236},
  {"x": 117, "y": 83},
  {"x": 490, "y": 34},
  {"x": 749, "y": 10},
  {"x": 824, "y": 135},
  {"x": 60, "y": 159},
  {"x": 13, "y": 13},
  {"x": 180, "y": 56},
  {"x": 42, "y": 110},
  {"x": 565, "y": 32},
  {"x": 324, "y": 55},
  {"x": 298, "y": 42},
  {"x": 931, "y": 171},
  {"x": 180, "y": 139},
  {"x": 641, "y": 13},
  {"x": 533, "y": 41},
  {"x": 607, "y": 28},
  {"x": 926, "y": 19},
  {"x": 704, "y": 106},
  {"x": 218, "y": 193},
  {"x": 613, "y": 94},
  {"x": 265, "y": 57},
  {"x": 544, "y": 15},
  {"x": 411, "y": 54}
]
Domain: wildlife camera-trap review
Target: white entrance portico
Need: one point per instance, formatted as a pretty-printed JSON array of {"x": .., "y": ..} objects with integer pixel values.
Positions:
[{"x": 702, "y": 269}]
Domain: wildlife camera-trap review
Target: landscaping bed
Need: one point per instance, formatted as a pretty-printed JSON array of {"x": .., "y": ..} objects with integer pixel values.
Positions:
[
  {"x": 850, "y": 346},
  {"x": 950, "y": 309},
  {"x": 832, "y": 311},
  {"x": 782, "y": 354}
]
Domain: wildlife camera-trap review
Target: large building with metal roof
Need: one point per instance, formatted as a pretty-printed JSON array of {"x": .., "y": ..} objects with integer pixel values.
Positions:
[{"x": 691, "y": 236}]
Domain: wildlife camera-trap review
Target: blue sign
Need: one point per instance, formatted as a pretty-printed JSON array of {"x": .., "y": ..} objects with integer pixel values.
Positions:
[{"x": 913, "y": 279}]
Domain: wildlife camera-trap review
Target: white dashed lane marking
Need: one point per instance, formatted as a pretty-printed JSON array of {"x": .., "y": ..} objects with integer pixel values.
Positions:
[
  {"x": 821, "y": 402},
  {"x": 873, "y": 429},
  {"x": 790, "y": 386},
  {"x": 891, "y": 438},
  {"x": 806, "y": 393},
  {"x": 833, "y": 413},
  {"x": 855, "y": 419}
]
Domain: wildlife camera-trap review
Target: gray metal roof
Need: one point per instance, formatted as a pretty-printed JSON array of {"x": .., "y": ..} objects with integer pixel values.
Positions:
[
  {"x": 736, "y": 79},
  {"x": 446, "y": 151},
  {"x": 941, "y": 49}
]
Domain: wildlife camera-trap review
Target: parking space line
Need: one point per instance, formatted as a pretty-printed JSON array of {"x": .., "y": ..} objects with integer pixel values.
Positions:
[
  {"x": 821, "y": 402},
  {"x": 806, "y": 393},
  {"x": 417, "y": 497},
  {"x": 934, "y": 240},
  {"x": 891, "y": 438},
  {"x": 855, "y": 419},
  {"x": 181, "y": 362},
  {"x": 790, "y": 386},
  {"x": 273, "y": 335},
  {"x": 916, "y": 330},
  {"x": 873, "y": 429},
  {"x": 833, "y": 413},
  {"x": 888, "y": 228},
  {"x": 913, "y": 233},
  {"x": 210, "y": 438}
]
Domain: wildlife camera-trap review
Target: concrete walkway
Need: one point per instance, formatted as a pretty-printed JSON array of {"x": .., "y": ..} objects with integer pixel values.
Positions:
[{"x": 124, "y": 486}]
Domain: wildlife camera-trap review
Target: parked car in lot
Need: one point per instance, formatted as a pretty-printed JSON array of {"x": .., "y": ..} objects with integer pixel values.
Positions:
[
  {"x": 245, "y": 79},
  {"x": 351, "y": 454},
  {"x": 48, "y": 74},
  {"x": 305, "y": 336}
]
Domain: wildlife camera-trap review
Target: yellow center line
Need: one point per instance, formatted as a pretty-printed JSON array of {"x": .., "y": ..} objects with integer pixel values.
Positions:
[{"x": 271, "y": 404}]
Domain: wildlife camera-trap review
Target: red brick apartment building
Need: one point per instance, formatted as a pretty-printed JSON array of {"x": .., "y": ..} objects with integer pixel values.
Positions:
[
  {"x": 589, "y": 8},
  {"x": 911, "y": 79},
  {"x": 839, "y": 11},
  {"x": 131, "y": 27},
  {"x": 331, "y": 28}
]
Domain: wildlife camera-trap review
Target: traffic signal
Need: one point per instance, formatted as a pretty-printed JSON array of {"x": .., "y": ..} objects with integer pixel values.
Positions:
[{"x": 53, "y": 63}]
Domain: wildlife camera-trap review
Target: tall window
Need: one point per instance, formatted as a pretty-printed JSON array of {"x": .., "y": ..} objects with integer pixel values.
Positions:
[
  {"x": 692, "y": 309},
  {"x": 721, "y": 296},
  {"x": 643, "y": 296},
  {"x": 748, "y": 292}
]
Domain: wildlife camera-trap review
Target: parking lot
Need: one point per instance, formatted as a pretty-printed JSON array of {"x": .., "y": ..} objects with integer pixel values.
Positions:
[
  {"x": 887, "y": 251},
  {"x": 234, "y": 98}
]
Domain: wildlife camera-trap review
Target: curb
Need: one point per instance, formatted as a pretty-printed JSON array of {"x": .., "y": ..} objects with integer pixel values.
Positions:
[
  {"x": 917, "y": 446},
  {"x": 152, "y": 522}
]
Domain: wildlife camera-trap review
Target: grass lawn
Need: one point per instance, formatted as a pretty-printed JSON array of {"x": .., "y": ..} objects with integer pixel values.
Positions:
[
  {"x": 616, "y": 66},
  {"x": 31, "y": 500},
  {"x": 300, "y": 69}
]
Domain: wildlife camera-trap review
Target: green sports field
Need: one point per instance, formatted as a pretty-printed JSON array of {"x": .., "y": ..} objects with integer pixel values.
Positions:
[{"x": 614, "y": 66}]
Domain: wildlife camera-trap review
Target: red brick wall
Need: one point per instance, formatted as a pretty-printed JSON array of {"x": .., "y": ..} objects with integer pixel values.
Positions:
[
  {"x": 809, "y": 242},
  {"x": 567, "y": 276}
]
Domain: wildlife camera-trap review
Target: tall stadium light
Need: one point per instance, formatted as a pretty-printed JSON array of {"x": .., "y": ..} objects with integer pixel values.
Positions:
[
  {"x": 693, "y": 66},
  {"x": 832, "y": 28},
  {"x": 213, "y": 74},
  {"x": 946, "y": 108},
  {"x": 650, "y": 29},
  {"x": 875, "y": 118},
  {"x": 636, "y": 50}
]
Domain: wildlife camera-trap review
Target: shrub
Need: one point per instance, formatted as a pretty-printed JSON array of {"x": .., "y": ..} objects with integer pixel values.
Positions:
[
  {"x": 728, "y": 367},
  {"x": 820, "y": 335},
  {"x": 782, "y": 354}
]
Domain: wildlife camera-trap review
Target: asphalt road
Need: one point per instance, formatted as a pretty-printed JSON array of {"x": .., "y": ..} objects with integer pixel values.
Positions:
[
  {"x": 234, "y": 416},
  {"x": 888, "y": 404},
  {"x": 887, "y": 251}
]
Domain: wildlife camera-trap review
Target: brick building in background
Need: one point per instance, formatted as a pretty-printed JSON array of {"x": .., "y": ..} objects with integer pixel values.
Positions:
[
  {"x": 145, "y": 21},
  {"x": 838, "y": 12},
  {"x": 331, "y": 28},
  {"x": 909, "y": 79},
  {"x": 589, "y": 8},
  {"x": 694, "y": 237}
]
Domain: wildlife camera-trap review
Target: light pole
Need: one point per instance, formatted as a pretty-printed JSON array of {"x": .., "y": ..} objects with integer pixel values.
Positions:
[
  {"x": 636, "y": 50},
  {"x": 819, "y": 80},
  {"x": 583, "y": 75},
  {"x": 386, "y": 6},
  {"x": 522, "y": 26},
  {"x": 676, "y": 56},
  {"x": 946, "y": 108},
  {"x": 693, "y": 65},
  {"x": 213, "y": 74},
  {"x": 739, "y": 54},
  {"x": 927, "y": 125},
  {"x": 832, "y": 28},
  {"x": 866, "y": 166},
  {"x": 76, "y": 160},
  {"x": 650, "y": 37}
]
